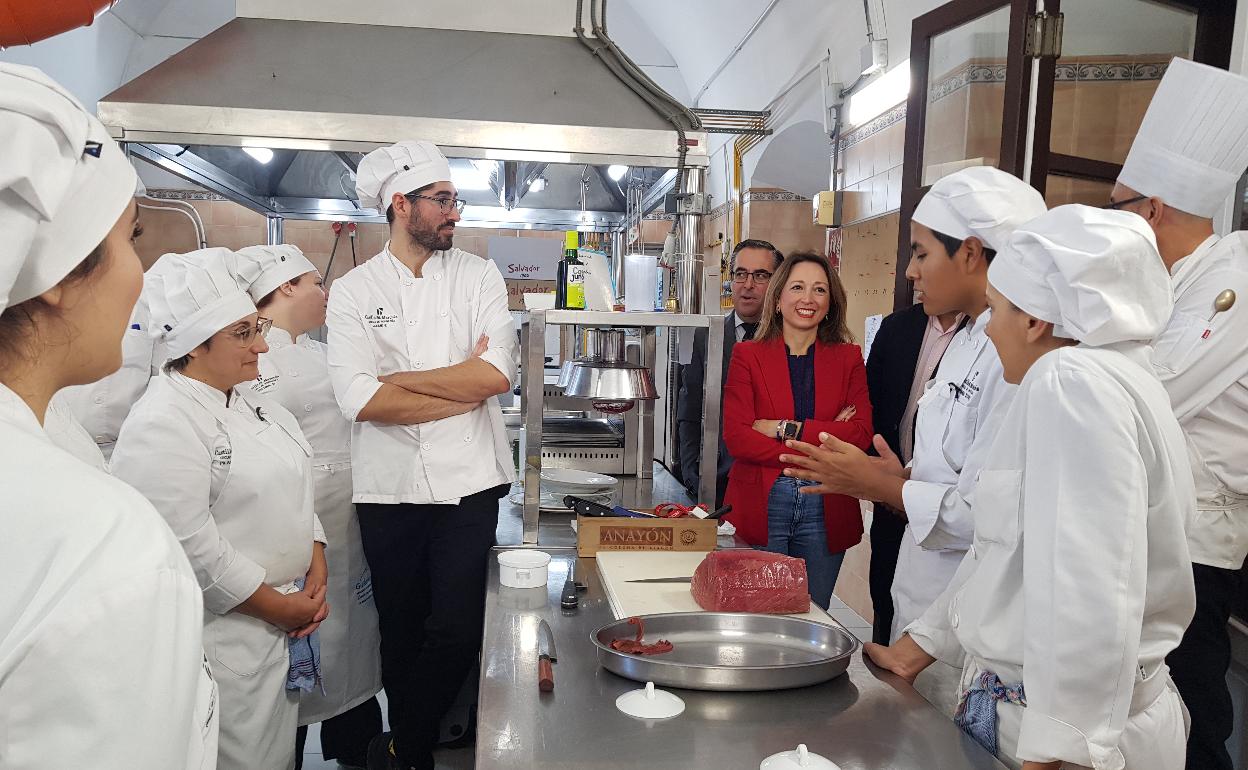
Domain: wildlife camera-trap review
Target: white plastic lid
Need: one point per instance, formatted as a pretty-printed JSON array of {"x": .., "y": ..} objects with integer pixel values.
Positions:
[
  {"x": 523, "y": 559},
  {"x": 801, "y": 757},
  {"x": 650, "y": 703}
]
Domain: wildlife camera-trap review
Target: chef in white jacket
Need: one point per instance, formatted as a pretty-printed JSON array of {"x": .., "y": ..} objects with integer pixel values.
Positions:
[
  {"x": 955, "y": 232},
  {"x": 232, "y": 474},
  {"x": 1077, "y": 585},
  {"x": 101, "y": 653},
  {"x": 288, "y": 289},
  {"x": 1183, "y": 167}
]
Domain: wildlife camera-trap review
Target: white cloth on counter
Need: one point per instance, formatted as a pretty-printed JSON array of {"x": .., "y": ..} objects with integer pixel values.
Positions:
[
  {"x": 958, "y": 418},
  {"x": 64, "y": 183},
  {"x": 267, "y": 267},
  {"x": 400, "y": 168},
  {"x": 382, "y": 320},
  {"x": 981, "y": 202},
  {"x": 101, "y": 620},
  {"x": 1202, "y": 359},
  {"x": 1191, "y": 147}
]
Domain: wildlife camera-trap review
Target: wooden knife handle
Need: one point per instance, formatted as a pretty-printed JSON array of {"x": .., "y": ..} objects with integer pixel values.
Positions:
[{"x": 545, "y": 675}]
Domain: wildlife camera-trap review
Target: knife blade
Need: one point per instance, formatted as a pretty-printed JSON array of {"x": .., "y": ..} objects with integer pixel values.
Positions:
[
  {"x": 545, "y": 657},
  {"x": 662, "y": 580}
]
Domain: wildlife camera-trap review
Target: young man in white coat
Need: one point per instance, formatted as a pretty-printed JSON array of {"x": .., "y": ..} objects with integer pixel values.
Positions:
[
  {"x": 1186, "y": 160},
  {"x": 1077, "y": 585},
  {"x": 101, "y": 621},
  {"x": 955, "y": 232},
  {"x": 429, "y": 453}
]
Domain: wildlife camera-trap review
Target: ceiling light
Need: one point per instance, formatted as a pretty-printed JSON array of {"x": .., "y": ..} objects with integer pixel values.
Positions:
[
  {"x": 617, "y": 172},
  {"x": 467, "y": 176},
  {"x": 261, "y": 154},
  {"x": 537, "y": 185},
  {"x": 888, "y": 90}
]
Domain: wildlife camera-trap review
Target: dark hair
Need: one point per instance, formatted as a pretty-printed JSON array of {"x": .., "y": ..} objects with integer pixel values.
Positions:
[
  {"x": 952, "y": 245},
  {"x": 268, "y": 298},
  {"x": 180, "y": 364},
  {"x": 17, "y": 322},
  {"x": 390, "y": 207},
  {"x": 755, "y": 243},
  {"x": 833, "y": 329}
]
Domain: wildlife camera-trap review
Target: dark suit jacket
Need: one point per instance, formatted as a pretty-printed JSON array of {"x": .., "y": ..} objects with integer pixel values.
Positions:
[
  {"x": 689, "y": 412},
  {"x": 890, "y": 370},
  {"x": 759, "y": 388}
]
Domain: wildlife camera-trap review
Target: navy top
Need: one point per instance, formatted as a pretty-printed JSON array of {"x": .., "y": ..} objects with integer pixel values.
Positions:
[{"x": 802, "y": 379}]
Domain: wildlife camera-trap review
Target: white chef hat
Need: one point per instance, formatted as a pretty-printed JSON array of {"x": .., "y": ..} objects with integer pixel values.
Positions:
[
  {"x": 1193, "y": 144},
  {"x": 980, "y": 201},
  {"x": 64, "y": 183},
  {"x": 1094, "y": 274},
  {"x": 195, "y": 296},
  {"x": 272, "y": 266},
  {"x": 399, "y": 168}
]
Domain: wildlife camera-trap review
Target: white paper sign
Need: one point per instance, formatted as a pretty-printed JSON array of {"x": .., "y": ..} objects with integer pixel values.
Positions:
[
  {"x": 526, "y": 259},
  {"x": 873, "y": 326}
]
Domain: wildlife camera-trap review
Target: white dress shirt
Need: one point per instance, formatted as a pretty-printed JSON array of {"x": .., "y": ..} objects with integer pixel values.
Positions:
[
  {"x": 1079, "y": 579},
  {"x": 382, "y": 320},
  {"x": 1202, "y": 359}
]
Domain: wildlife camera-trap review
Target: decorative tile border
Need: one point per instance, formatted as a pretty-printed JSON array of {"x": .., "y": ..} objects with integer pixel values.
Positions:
[
  {"x": 1111, "y": 71},
  {"x": 773, "y": 196},
  {"x": 185, "y": 195},
  {"x": 874, "y": 126},
  {"x": 972, "y": 73},
  {"x": 721, "y": 210}
]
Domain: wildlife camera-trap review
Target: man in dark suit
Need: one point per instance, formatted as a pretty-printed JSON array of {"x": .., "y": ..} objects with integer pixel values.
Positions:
[
  {"x": 753, "y": 262},
  {"x": 903, "y": 357}
]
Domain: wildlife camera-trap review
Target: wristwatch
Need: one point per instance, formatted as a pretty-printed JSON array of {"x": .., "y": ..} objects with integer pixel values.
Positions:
[{"x": 787, "y": 430}]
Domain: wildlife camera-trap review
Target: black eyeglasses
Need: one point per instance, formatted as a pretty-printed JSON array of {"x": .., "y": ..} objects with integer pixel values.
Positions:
[
  {"x": 760, "y": 276},
  {"x": 446, "y": 204},
  {"x": 1116, "y": 205},
  {"x": 244, "y": 337}
]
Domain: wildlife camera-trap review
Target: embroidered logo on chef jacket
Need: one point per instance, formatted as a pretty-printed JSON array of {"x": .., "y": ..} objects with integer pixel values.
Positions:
[
  {"x": 381, "y": 319},
  {"x": 222, "y": 455},
  {"x": 968, "y": 390},
  {"x": 265, "y": 384}
]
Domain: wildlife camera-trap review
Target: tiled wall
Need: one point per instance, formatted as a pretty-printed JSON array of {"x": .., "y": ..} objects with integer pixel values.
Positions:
[
  {"x": 871, "y": 159},
  {"x": 782, "y": 218}
]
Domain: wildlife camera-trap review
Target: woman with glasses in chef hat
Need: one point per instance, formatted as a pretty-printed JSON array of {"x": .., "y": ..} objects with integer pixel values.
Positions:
[
  {"x": 101, "y": 653},
  {"x": 232, "y": 474},
  {"x": 288, "y": 289}
]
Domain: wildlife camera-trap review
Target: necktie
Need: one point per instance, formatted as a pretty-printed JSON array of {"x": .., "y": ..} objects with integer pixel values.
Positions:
[{"x": 749, "y": 329}]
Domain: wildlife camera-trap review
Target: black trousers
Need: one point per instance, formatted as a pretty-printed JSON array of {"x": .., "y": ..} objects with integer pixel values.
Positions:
[
  {"x": 1199, "y": 664},
  {"x": 345, "y": 736},
  {"x": 429, "y": 565},
  {"x": 887, "y": 529}
]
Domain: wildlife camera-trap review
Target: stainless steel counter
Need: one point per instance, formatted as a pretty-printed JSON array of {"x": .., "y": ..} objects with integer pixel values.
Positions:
[{"x": 864, "y": 719}]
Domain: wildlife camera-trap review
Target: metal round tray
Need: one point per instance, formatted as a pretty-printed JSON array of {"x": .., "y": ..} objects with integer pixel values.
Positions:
[{"x": 730, "y": 651}]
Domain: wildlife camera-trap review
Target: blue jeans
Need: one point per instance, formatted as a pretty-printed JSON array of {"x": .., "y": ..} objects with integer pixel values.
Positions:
[{"x": 795, "y": 528}]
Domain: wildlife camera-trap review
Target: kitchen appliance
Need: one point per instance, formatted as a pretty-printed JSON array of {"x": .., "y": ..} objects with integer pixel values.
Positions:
[{"x": 606, "y": 377}]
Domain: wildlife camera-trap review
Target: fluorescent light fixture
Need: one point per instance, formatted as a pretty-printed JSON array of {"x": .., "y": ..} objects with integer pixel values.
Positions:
[
  {"x": 468, "y": 177},
  {"x": 537, "y": 185},
  {"x": 888, "y": 90},
  {"x": 262, "y": 155},
  {"x": 617, "y": 172}
]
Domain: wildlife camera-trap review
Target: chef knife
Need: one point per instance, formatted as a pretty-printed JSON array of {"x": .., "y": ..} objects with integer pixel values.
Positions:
[
  {"x": 662, "y": 580},
  {"x": 545, "y": 657}
]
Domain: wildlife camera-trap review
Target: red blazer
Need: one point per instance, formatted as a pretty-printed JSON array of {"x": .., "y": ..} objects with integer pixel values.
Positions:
[{"x": 758, "y": 388}]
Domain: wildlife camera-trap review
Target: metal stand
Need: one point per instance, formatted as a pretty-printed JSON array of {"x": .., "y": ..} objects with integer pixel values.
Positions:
[{"x": 533, "y": 376}]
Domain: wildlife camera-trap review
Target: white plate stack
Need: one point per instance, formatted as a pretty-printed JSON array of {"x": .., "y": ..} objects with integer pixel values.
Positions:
[{"x": 558, "y": 483}]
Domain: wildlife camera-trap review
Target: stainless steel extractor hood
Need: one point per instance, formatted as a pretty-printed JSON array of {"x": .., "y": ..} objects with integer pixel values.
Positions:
[{"x": 511, "y": 109}]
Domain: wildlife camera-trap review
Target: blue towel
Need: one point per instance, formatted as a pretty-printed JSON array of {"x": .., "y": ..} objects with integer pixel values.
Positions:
[
  {"x": 977, "y": 709},
  {"x": 305, "y": 660}
]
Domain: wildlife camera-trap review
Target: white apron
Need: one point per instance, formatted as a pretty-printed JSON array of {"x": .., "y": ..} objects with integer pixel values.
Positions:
[{"x": 268, "y": 467}]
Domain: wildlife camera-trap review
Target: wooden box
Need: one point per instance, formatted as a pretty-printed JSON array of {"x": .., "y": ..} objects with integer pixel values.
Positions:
[{"x": 619, "y": 533}]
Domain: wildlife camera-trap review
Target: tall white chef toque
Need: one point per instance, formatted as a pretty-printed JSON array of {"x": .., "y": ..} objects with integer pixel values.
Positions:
[
  {"x": 399, "y": 168},
  {"x": 1094, "y": 274},
  {"x": 271, "y": 267},
  {"x": 195, "y": 296},
  {"x": 1193, "y": 144},
  {"x": 980, "y": 201},
  {"x": 63, "y": 183}
]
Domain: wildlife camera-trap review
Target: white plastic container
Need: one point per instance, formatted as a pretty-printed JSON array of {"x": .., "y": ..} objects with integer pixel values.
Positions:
[
  {"x": 641, "y": 275},
  {"x": 523, "y": 568}
]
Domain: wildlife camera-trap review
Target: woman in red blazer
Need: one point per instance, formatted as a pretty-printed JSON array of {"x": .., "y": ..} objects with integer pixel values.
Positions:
[{"x": 799, "y": 377}]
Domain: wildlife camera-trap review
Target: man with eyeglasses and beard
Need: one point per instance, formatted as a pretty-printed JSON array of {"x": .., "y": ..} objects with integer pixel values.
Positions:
[
  {"x": 753, "y": 262},
  {"x": 420, "y": 345}
]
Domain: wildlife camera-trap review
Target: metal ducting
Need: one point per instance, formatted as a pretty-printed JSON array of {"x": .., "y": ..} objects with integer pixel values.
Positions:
[{"x": 508, "y": 109}]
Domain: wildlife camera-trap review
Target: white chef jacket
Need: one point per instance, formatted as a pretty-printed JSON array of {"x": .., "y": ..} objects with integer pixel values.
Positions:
[
  {"x": 101, "y": 652},
  {"x": 1204, "y": 365},
  {"x": 382, "y": 320},
  {"x": 66, "y": 432},
  {"x": 958, "y": 418},
  {"x": 1079, "y": 575},
  {"x": 295, "y": 374}
]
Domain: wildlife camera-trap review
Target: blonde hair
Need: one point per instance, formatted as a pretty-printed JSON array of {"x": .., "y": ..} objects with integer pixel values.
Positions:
[{"x": 833, "y": 329}]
